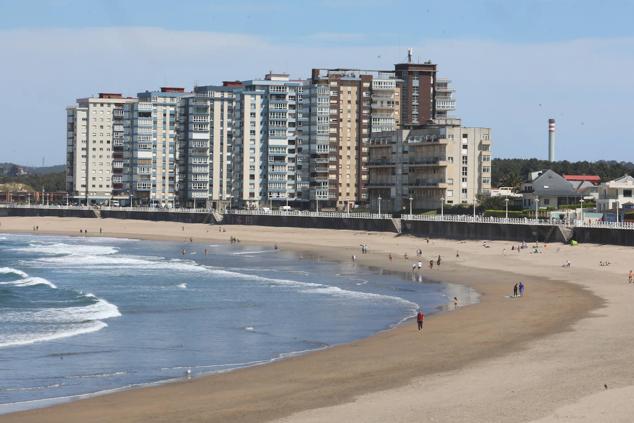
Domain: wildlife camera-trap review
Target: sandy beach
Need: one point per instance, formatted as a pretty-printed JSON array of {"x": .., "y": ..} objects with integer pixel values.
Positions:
[{"x": 546, "y": 357}]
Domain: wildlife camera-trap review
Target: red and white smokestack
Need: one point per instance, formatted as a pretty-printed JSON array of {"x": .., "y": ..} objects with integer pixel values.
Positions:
[{"x": 551, "y": 140}]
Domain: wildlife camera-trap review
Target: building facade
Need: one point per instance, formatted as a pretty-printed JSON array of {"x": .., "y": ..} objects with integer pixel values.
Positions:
[
  {"x": 441, "y": 163},
  {"x": 346, "y": 107},
  {"x": 95, "y": 143}
]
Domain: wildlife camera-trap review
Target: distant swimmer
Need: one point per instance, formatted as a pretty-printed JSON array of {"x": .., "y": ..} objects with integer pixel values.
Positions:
[
  {"x": 205, "y": 251},
  {"x": 275, "y": 247}
]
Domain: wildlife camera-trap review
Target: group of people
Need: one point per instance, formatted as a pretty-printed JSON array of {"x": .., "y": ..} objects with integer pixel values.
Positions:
[
  {"x": 518, "y": 289},
  {"x": 234, "y": 240},
  {"x": 364, "y": 248}
]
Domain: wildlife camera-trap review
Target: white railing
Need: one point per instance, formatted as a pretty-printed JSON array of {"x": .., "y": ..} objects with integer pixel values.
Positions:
[
  {"x": 108, "y": 208},
  {"x": 478, "y": 219},
  {"x": 602, "y": 224},
  {"x": 305, "y": 213}
]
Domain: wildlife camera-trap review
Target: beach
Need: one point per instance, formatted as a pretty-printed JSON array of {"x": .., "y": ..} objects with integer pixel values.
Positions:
[{"x": 547, "y": 356}]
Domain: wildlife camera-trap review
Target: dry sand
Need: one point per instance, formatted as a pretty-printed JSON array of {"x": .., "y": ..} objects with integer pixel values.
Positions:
[{"x": 544, "y": 358}]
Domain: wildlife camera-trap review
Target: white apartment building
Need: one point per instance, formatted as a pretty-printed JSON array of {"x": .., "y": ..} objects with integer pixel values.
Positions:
[
  {"x": 434, "y": 164},
  {"x": 151, "y": 155},
  {"x": 95, "y": 159},
  {"x": 616, "y": 194},
  {"x": 282, "y": 101}
]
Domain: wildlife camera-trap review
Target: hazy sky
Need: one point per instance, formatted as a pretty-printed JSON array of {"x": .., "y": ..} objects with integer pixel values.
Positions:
[{"x": 513, "y": 64}]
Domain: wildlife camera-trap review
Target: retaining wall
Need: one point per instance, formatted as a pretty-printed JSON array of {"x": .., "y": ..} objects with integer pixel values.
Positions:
[
  {"x": 356, "y": 224},
  {"x": 158, "y": 216},
  {"x": 29, "y": 212},
  {"x": 604, "y": 236},
  {"x": 484, "y": 231}
]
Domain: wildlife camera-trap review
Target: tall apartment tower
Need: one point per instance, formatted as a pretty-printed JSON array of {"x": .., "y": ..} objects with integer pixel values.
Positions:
[
  {"x": 284, "y": 182},
  {"x": 95, "y": 133},
  {"x": 418, "y": 103},
  {"x": 435, "y": 164},
  {"x": 150, "y": 167},
  {"x": 346, "y": 107}
]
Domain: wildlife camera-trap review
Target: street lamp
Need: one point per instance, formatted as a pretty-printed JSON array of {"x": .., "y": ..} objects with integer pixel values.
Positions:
[
  {"x": 411, "y": 199},
  {"x": 28, "y": 199},
  {"x": 442, "y": 208},
  {"x": 506, "y": 208},
  {"x": 536, "y": 208},
  {"x": 581, "y": 213},
  {"x": 617, "y": 211},
  {"x": 348, "y": 207},
  {"x": 66, "y": 199},
  {"x": 380, "y": 204},
  {"x": 474, "y": 208},
  {"x": 317, "y": 202}
]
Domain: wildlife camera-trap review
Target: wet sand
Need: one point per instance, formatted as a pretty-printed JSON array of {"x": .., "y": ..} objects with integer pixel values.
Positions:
[{"x": 544, "y": 356}]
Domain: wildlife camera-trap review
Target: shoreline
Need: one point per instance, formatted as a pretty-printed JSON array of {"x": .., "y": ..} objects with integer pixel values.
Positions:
[
  {"x": 28, "y": 405},
  {"x": 366, "y": 376}
]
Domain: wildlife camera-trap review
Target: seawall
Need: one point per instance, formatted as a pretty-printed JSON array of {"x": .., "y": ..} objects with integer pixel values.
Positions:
[
  {"x": 484, "y": 231},
  {"x": 355, "y": 224}
]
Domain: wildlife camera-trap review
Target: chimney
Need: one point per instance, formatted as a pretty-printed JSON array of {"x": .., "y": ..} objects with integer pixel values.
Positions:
[{"x": 551, "y": 140}]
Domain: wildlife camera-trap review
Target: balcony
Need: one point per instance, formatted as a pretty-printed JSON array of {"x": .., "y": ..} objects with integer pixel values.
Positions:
[
  {"x": 428, "y": 162},
  {"x": 424, "y": 142},
  {"x": 427, "y": 183},
  {"x": 117, "y": 165},
  {"x": 381, "y": 182},
  {"x": 381, "y": 163}
]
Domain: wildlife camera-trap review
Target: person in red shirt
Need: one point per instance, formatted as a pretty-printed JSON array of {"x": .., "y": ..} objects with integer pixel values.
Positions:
[{"x": 420, "y": 317}]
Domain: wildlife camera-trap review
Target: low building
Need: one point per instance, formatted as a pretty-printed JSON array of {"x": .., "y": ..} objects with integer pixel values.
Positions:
[
  {"x": 439, "y": 163},
  {"x": 547, "y": 189},
  {"x": 616, "y": 194}
]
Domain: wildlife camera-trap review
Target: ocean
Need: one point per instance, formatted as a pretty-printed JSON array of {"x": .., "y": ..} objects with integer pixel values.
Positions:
[{"x": 80, "y": 316}]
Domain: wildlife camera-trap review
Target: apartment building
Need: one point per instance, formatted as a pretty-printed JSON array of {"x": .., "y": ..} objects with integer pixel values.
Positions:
[
  {"x": 442, "y": 162},
  {"x": 150, "y": 165},
  {"x": 95, "y": 132},
  {"x": 283, "y": 182},
  {"x": 346, "y": 107}
]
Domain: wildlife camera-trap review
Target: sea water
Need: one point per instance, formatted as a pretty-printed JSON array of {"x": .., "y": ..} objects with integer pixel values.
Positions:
[{"x": 82, "y": 315}]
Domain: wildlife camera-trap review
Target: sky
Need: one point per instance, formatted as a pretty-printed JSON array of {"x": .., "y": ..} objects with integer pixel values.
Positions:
[{"x": 514, "y": 64}]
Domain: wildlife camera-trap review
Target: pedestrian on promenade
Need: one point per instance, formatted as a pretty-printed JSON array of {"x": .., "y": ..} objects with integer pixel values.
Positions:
[{"x": 420, "y": 318}]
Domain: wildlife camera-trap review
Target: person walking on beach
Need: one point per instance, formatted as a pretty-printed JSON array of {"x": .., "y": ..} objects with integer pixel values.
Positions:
[
  {"x": 438, "y": 261},
  {"x": 431, "y": 264},
  {"x": 521, "y": 288},
  {"x": 515, "y": 290},
  {"x": 455, "y": 303},
  {"x": 630, "y": 277},
  {"x": 420, "y": 265},
  {"x": 420, "y": 318}
]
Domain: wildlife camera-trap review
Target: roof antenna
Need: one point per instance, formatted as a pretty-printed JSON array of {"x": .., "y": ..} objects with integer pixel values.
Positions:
[{"x": 409, "y": 55}]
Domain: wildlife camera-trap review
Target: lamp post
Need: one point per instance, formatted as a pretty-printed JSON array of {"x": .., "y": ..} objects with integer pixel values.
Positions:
[
  {"x": 28, "y": 199},
  {"x": 617, "y": 211},
  {"x": 442, "y": 208},
  {"x": 348, "y": 207},
  {"x": 411, "y": 199},
  {"x": 474, "y": 208},
  {"x": 380, "y": 204},
  {"x": 581, "y": 212},
  {"x": 317, "y": 203},
  {"x": 66, "y": 199},
  {"x": 506, "y": 208},
  {"x": 536, "y": 209}
]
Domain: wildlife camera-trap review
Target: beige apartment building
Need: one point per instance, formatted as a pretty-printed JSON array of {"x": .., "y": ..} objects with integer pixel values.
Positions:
[
  {"x": 438, "y": 163},
  {"x": 346, "y": 107},
  {"x": 95, "y": 132}
]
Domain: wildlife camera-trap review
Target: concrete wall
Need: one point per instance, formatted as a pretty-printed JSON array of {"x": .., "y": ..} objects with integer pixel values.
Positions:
[
  {"x": 604, "y": 236},
  {"x": 483, "y": 231},
  {"x": 46, "y": 212},
  {"x": 158, "y": 216},
  {"x": 379, "y": 225}
]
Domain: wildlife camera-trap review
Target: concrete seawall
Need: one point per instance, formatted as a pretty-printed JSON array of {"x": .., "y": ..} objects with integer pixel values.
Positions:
[
  {"x": 30, "y": 212},
  {"x": 484, "y": 231},
  {"x": 604, "y": 236},
  {"x": 158, "y": 216},
  {"x": 356, "y": 224}
]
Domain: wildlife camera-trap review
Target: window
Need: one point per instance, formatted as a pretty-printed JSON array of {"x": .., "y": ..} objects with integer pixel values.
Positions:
[{"x": 627, "y": 193}]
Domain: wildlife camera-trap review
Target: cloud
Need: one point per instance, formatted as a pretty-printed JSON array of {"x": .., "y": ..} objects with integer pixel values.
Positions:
[{"x": 511, "y": 87}]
